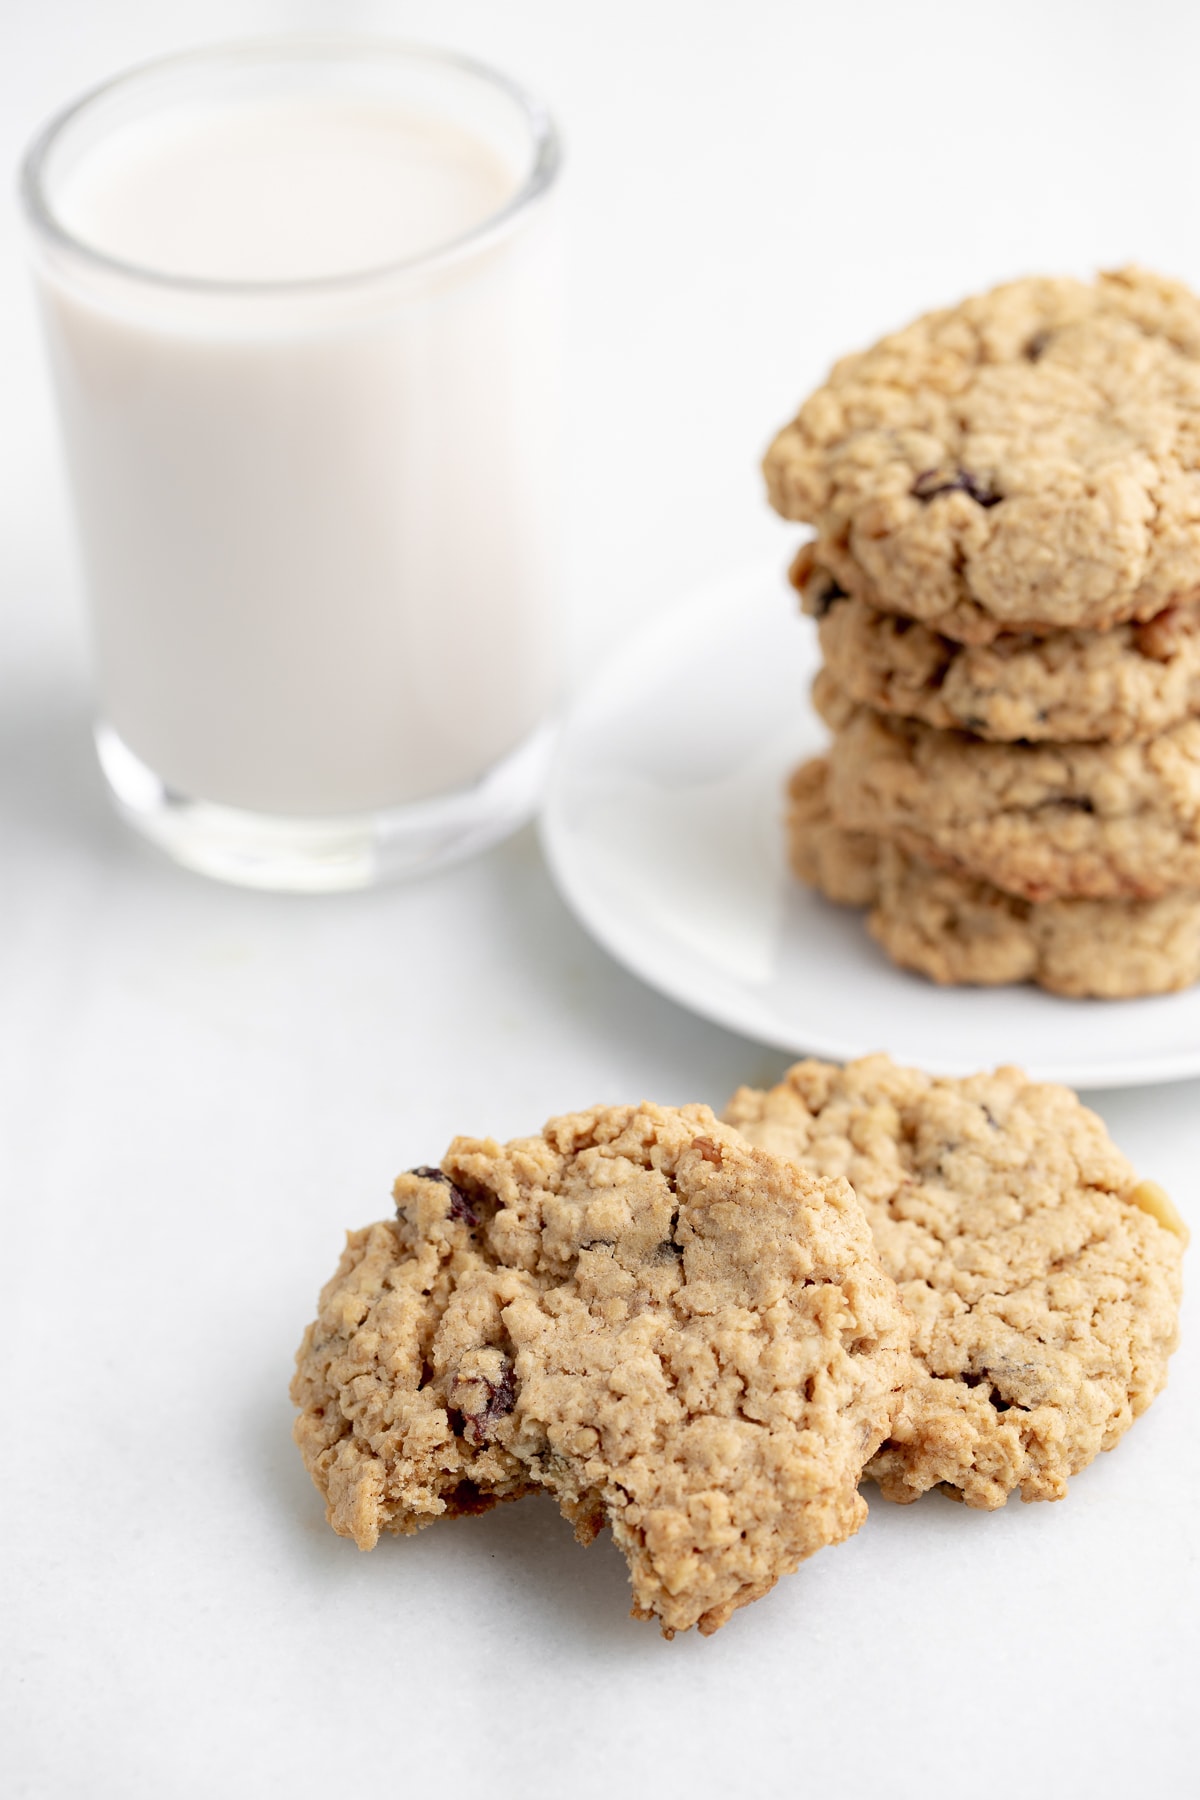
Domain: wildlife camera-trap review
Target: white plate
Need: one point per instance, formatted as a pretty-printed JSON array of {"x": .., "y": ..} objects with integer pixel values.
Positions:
[{"x": 662, "y": 826}]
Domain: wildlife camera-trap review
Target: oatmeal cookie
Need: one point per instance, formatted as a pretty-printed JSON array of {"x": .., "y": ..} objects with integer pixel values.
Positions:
[
  {"x": 1028, "y": 460},
  {"x": 962, "y": 932},
  {"x": 1043, "y": 1276},
  {"x": 957, "y": 931},
  {"x": 677, "y": 1335},
  {"x": 1131, "y": 682},
  {"x": 1042, "y": 821}
]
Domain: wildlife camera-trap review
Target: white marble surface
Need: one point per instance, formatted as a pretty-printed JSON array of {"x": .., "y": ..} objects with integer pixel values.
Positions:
[{"x": 199, "y": 1089}]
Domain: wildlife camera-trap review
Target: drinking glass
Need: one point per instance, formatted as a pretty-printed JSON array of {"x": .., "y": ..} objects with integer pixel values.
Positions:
[{"x": 316, "y": 508}]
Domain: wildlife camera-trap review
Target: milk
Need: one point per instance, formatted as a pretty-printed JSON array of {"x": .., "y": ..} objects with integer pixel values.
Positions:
[
  {"x": 283, "y": 188},
  {"x": 315, "y": 512}
]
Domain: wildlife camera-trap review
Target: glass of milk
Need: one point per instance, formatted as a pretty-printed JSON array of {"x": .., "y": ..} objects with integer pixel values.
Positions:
[{"x": 302, "y": 306}]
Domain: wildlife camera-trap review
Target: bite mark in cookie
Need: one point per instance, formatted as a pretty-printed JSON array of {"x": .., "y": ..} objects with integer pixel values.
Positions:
[{"x": 675, "y": 1334}]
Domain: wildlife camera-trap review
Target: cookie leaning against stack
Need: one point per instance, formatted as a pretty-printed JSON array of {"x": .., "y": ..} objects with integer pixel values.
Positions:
[{"x": 1006, "y": 580}]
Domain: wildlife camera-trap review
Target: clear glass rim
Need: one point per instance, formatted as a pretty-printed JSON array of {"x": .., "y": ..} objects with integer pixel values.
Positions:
[{"x": 300, "y": 47}]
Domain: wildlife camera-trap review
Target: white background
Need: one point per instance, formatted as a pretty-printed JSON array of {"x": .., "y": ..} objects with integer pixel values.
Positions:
[{"x": 199, "y": 1089}]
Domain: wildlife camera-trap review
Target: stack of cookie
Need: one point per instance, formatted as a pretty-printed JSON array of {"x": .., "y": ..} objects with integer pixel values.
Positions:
[{"x": 1006, "y": 577}]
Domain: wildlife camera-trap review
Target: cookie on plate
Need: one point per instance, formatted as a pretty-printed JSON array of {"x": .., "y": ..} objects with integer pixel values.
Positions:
[
  {"x": 675, "y": 1334},
  {"x": 1028, "y": 460},
  {"x": 1042, "y": 821},
  {"x": 963, "y": 932},
  {"x": 1043, "y": 1276},
  {"x": 1130, "y": 682},
  {"x": 841, "y": 864}
]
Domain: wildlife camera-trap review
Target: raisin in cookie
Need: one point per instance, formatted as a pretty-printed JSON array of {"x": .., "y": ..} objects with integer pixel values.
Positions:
[
  {"x": 387, "y": 1431},
  {"x": 677, "y": 1335},
  {"x": 1028, "y": 460},
  {"x": 1042, "y": 821},
  {"x": 962, "y": 932},
  {"x": 1131, "y": 682},
  {"x": 1043, "y": 1277}
]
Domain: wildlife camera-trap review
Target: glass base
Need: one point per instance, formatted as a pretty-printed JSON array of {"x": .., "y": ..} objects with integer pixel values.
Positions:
[{"x": 325, "y": 855}]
